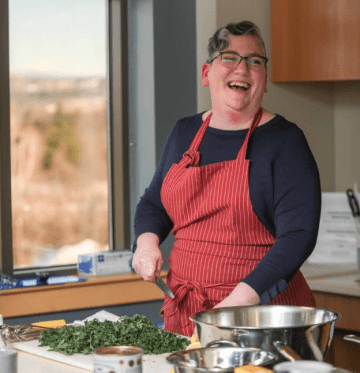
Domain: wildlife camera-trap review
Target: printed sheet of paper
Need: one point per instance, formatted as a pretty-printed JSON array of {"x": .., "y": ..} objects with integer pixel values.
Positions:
[{"x": 337, "y": 239}]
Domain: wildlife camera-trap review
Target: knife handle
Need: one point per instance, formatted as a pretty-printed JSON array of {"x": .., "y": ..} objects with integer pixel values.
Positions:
[{"x": 353, "y": 202}]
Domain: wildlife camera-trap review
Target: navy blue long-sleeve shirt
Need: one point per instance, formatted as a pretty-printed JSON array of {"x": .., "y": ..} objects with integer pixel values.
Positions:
[{"x": 284, "y": 191}]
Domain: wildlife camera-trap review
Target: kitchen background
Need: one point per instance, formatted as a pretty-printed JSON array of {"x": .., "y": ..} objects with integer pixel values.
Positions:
[
  {"x": 327, "y": 112},
  {"x": 165, "y": 84}
]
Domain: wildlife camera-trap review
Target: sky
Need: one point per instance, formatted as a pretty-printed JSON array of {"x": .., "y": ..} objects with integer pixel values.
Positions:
[{"x": 58, "y": 37}]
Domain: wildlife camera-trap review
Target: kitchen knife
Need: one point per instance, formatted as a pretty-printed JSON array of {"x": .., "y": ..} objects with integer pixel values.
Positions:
[
  {"x": 353, "y": 202},
  {"x": 161, "y": 285},
  {"x": 354, "y": 205}
]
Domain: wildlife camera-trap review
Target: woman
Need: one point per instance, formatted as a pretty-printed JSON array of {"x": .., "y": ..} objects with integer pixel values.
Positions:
[{"x": 240, "y": 189}]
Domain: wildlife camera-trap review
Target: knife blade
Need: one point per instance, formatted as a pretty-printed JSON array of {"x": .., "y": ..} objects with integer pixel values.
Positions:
[{"x": 161, "y": 285}]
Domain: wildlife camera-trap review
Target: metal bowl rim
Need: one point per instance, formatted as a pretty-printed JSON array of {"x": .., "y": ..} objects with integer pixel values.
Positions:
[
  {"x": 336, "y": 314},
  {"x": 204, "y": 370},
  {"x": 272, "y": 357}
]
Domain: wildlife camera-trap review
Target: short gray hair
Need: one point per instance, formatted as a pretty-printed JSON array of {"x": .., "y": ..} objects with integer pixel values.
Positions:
[{"x": 219, "y": 41}]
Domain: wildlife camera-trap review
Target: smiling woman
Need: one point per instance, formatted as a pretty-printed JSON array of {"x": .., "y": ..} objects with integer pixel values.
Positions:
[{"x": 239, "y": 189}]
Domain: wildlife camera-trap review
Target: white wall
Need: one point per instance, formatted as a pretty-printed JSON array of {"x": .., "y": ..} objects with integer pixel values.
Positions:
[
  {"x": 347, "y": 134},
  {"x": 142, "y": 150},
  {"x": 205, "y": 28}
]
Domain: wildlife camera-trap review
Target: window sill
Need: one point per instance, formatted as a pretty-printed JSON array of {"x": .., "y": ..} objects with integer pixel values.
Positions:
[{"x": 97, "y": 291}]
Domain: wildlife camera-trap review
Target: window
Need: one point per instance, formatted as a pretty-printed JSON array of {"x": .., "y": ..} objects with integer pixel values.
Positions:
[{"x": 63, "y": 176}]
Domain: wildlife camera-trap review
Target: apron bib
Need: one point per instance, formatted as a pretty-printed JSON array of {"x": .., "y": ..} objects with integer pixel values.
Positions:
[{"x": 219, "y": 239}]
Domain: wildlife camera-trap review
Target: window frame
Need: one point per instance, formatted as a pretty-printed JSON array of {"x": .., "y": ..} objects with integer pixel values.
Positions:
[{"x": 117, "y": 140}]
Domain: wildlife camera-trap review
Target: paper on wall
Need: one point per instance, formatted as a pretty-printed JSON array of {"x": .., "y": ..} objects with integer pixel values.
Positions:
[{"x": 337, "y": 238}]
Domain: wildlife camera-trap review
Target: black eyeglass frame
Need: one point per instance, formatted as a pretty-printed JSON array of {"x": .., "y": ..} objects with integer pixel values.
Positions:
[{"x": 241, "y": 57}]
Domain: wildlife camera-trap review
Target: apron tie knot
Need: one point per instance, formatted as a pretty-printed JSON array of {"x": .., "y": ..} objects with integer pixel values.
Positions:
[
  {"x": 180, "y": 291},
  {"x": 189, "y": 286},
  {"x": 193, "y": 157}
]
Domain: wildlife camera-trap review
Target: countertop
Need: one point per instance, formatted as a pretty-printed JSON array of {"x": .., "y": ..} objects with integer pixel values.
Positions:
[
  {"x": 342, "y": 279},
  {"x": 332, "y": 279},
  {"x": 29, "y": 363},
  {"x": 315, "y": 271}
]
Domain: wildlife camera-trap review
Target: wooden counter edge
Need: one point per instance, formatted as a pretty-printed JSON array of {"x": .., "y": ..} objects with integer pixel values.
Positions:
[
  {"x": 342, "y": 353},
  {"x": 347, "y": 306},
  {"x": 100, "y": 291}
]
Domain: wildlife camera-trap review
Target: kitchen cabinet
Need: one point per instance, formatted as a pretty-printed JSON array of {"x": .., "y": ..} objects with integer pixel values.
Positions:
[
  {"x": 338, "y": 289},
  {"x": 314, "y": 40},
  {"x": 344, "y": 354}
]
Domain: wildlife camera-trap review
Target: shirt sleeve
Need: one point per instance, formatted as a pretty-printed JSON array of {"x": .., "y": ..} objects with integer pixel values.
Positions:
[{"x": 295, "y": 216}]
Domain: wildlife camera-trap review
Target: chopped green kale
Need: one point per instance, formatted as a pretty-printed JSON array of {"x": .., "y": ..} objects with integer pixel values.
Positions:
[{"x": 130, "y": 331}]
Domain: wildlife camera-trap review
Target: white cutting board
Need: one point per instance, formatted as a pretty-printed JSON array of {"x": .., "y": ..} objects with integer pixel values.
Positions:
[{"x": 151, "y": 363}]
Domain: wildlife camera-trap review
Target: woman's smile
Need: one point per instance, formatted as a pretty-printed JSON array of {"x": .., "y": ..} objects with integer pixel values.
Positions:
[{"x": 238, "y": 85}]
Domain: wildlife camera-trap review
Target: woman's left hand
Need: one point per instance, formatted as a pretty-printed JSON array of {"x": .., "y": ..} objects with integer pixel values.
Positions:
[{"x": 242, "y": 295}]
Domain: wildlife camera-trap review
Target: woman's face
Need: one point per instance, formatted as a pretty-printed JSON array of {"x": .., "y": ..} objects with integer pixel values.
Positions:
[{"x": 225, "y": 96}]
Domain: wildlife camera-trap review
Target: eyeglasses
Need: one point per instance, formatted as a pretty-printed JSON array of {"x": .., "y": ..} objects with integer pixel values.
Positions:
[{"x": 232, "y": 59}]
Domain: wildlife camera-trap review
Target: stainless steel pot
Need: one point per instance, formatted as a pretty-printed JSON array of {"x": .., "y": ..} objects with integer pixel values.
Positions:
[
  {"x": 218, "y": 359},
  {"x": 307, "y": 331}
]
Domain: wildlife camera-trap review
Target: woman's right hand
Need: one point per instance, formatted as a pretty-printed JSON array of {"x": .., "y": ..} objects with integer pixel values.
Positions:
[{"x": 148, "y": 259}]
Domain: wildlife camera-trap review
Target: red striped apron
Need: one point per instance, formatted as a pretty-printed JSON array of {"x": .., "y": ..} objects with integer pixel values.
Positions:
[{"x": 219, "y": 239}]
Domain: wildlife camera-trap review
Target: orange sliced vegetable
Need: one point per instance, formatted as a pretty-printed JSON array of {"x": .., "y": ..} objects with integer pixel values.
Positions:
[{"x": 53, "y": 324}]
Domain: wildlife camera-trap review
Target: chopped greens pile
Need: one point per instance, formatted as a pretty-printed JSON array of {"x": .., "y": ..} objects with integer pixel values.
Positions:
[{"x": 130, "y": 331}]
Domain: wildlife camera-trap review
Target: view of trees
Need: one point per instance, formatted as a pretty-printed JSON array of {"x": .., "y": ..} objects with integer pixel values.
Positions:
[{"x": 59, "y": 168}]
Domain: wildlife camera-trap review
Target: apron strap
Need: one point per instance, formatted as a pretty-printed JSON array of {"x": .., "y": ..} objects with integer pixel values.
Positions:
[
  {"x": 255, "y": 123},
  {"x": 194, "y": 146}
]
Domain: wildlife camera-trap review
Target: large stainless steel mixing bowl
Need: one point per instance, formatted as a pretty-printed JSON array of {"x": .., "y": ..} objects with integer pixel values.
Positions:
[{"x": 307, "y": 331}]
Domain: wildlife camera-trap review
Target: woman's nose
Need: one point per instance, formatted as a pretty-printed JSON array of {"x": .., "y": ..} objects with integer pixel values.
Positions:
[{"x": 242, "y": 66}]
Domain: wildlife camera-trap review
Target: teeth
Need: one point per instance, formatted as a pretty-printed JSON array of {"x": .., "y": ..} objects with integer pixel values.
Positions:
[{"x": 244, "y": 86}]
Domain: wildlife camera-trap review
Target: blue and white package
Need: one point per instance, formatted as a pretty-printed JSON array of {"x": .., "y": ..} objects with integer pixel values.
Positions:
[{"x": 105, "y": 263}]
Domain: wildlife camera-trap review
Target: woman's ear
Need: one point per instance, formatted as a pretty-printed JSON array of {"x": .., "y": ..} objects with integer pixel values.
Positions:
[{"x": 204, "y": 74}]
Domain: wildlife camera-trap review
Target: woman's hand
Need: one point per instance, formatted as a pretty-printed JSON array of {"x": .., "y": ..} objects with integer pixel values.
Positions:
[
  {"x": 148, "y": 259},
  {"x": 242, "y": 295}
]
